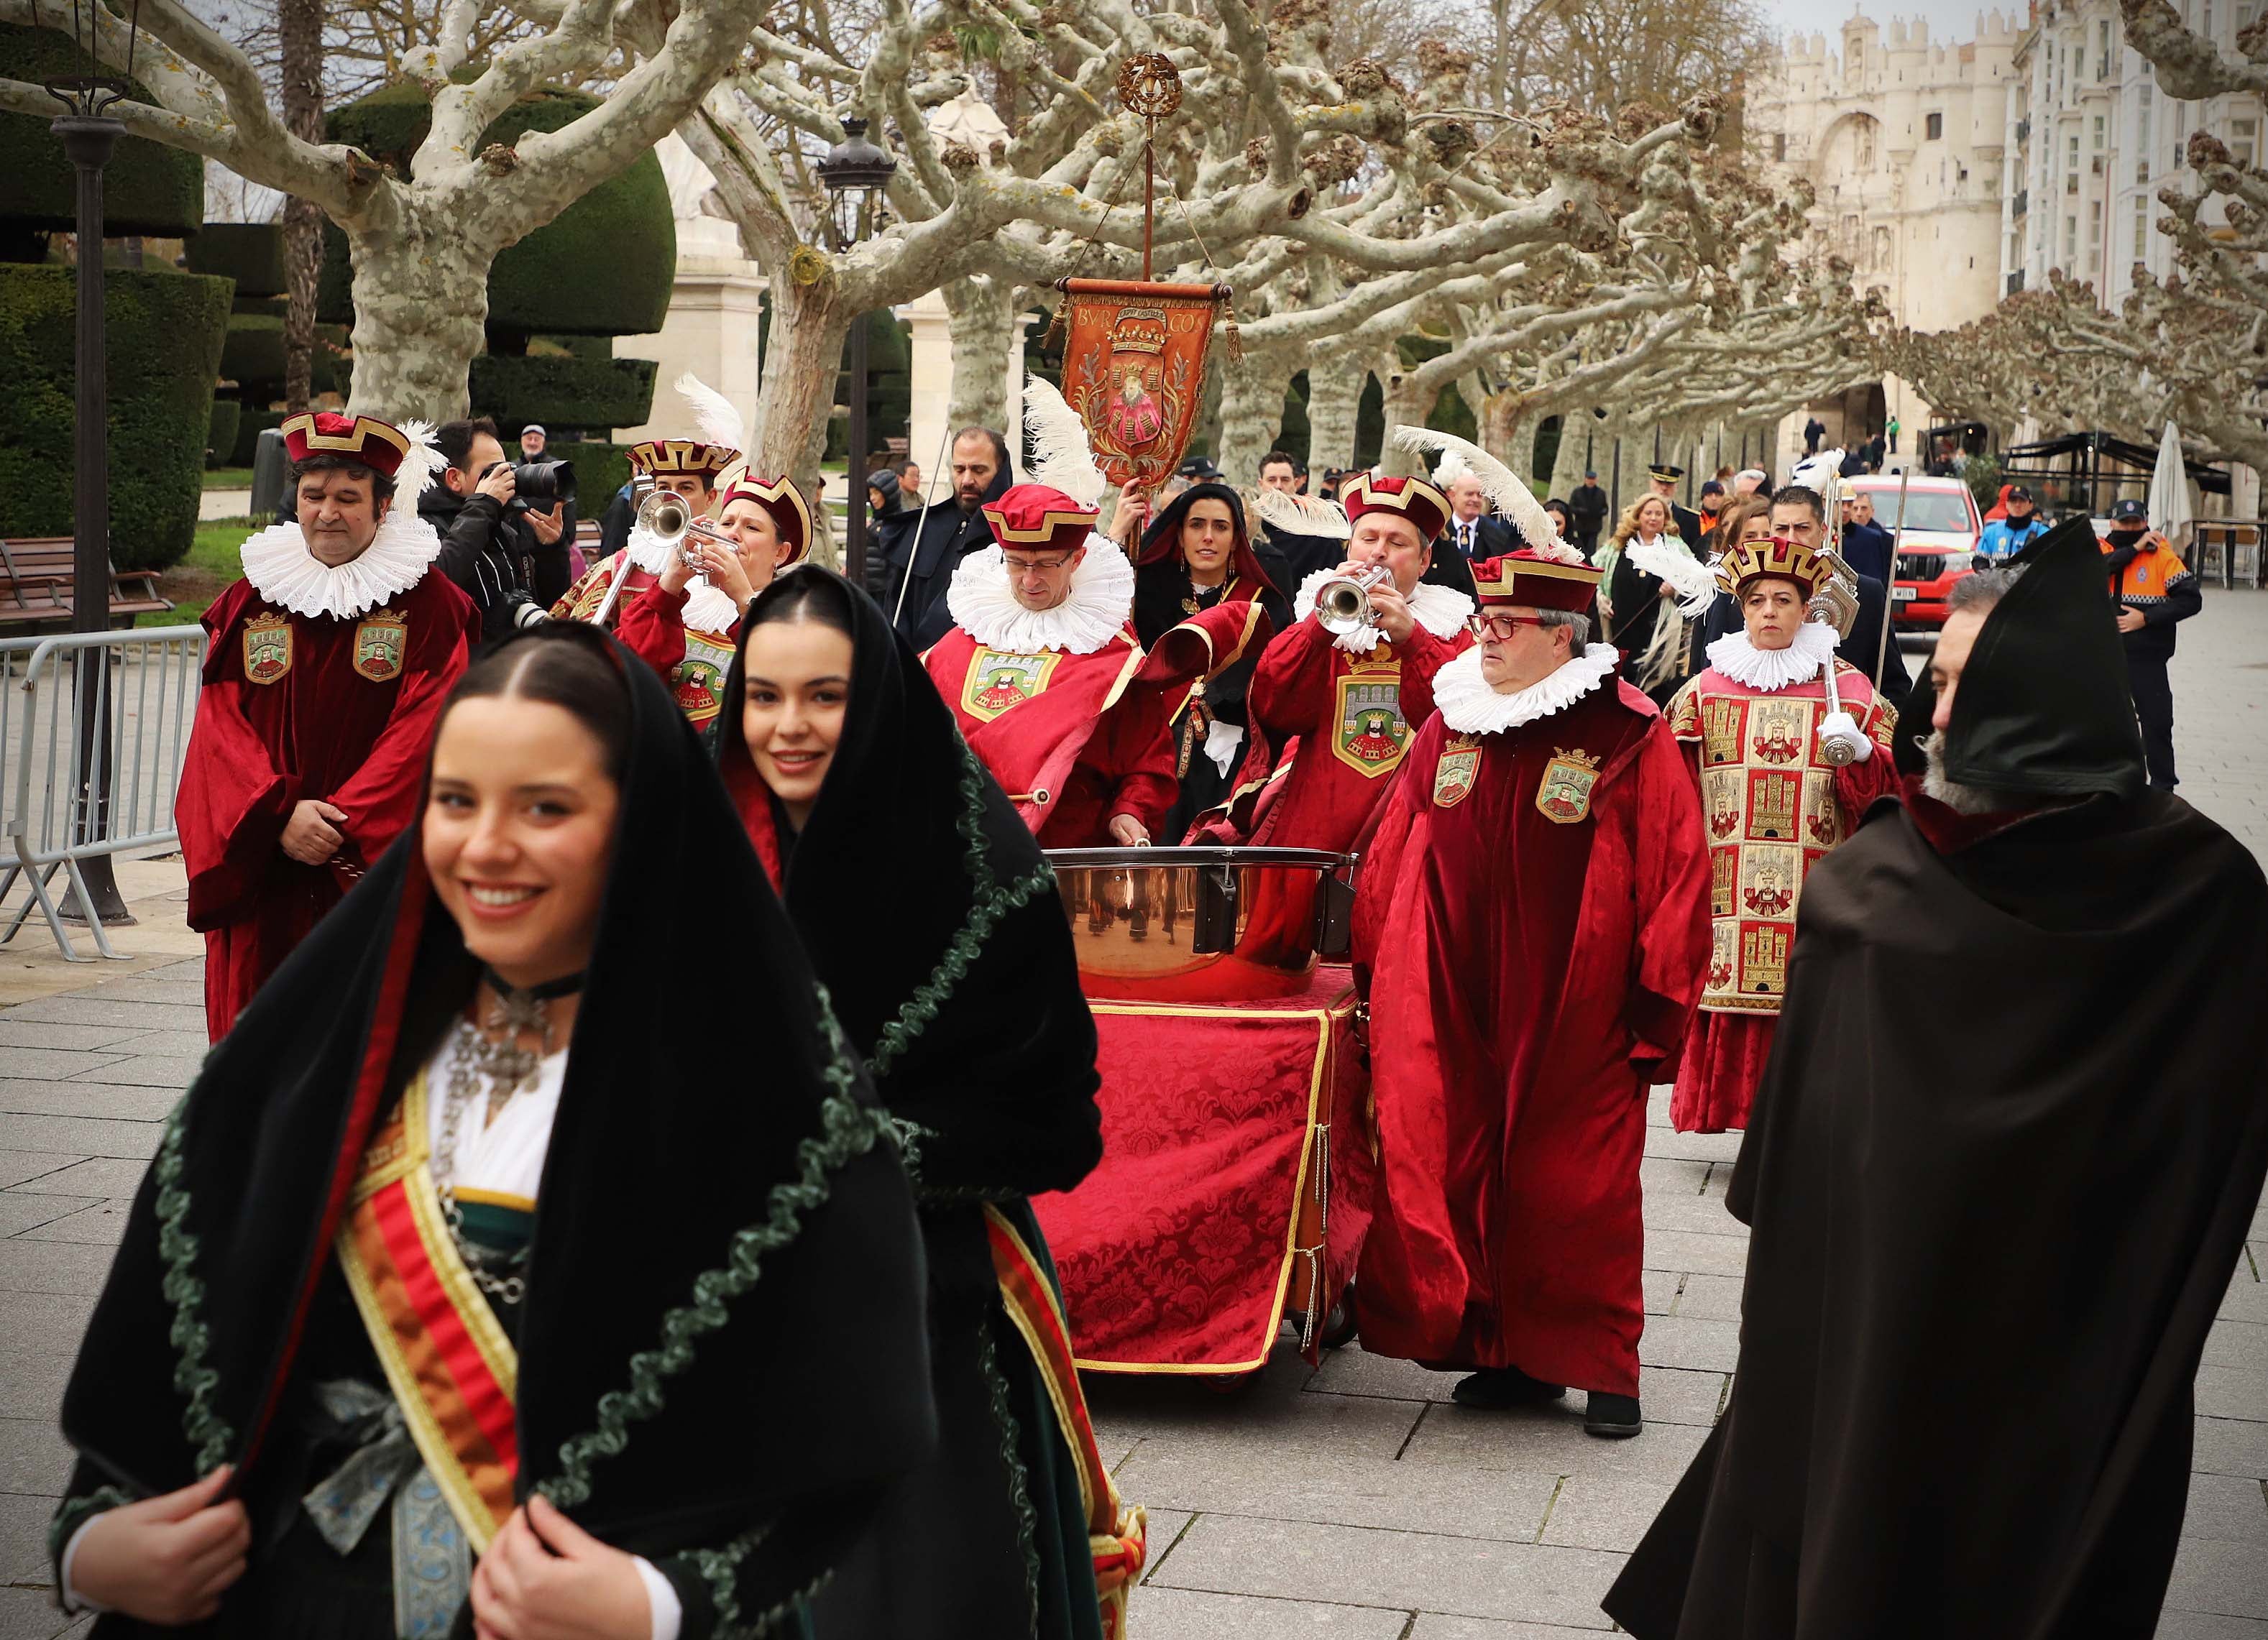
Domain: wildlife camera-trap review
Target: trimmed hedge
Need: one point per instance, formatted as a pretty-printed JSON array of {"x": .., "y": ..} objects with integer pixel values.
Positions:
[
  {"x": 164, "y": 336},
  {"x": 147, "y": 188},
  {"x": 603, "y": 267},
  {"x": 220, "y": 433},
  {"x": 250, "y": 253},
  {"x": 254, "y": 358},
  {"x": 249, "y": 426},
  {"x": 561, "y": 392},
  {"x": 601, "y": 469}
]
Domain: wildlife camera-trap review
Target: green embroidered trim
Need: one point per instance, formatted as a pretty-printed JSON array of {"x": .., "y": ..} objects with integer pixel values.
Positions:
[
  {"x": 207, "y": 1431},
  {"x": 1020, "y": 1491},
  {"x": 74, "y": 1513},
  {"x": 908, "y": 1136},
  {"x": 848, "y": 1130},
  {"x": 988, "y": 904},
  {"x": 721, "y": 1569}
]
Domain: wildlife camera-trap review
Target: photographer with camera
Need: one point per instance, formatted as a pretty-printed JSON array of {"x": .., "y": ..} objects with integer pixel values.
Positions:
[{"x": 490, "y": 534}]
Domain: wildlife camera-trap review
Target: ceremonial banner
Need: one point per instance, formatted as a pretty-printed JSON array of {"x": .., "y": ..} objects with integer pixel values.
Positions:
[{"x": 1134, "y": 367}]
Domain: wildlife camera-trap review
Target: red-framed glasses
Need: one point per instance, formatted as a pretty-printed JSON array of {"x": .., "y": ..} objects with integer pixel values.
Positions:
[{"x": 1501, "y": 626}]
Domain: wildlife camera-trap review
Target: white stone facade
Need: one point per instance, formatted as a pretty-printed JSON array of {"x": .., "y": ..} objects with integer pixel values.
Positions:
[{"x": 2090, "y": 142}]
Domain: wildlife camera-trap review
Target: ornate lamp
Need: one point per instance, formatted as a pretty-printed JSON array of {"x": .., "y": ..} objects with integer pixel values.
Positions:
[{"x": 857, "y": 174}]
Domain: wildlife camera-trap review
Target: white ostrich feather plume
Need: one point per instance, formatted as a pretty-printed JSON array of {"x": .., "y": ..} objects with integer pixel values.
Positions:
[
  {"x": 420, "y": 467},
  {"x": 1818, "y": 471},
  {"x": 1303, "y": 515},
  {"x": 719, "y": 423},
  {"x": 1061, "y": 456},
  {"x": 1511, "y": 499}
]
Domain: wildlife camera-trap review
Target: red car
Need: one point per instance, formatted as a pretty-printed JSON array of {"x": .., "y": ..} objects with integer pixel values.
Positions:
[{"x": 1937, "y": 546}]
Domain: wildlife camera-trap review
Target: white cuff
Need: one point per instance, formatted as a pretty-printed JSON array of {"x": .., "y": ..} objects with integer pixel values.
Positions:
[
  {"x": 661, "y": 1601},
  {"x": 71, "y": 1600},
  {"x": 1221, "y": 742}
]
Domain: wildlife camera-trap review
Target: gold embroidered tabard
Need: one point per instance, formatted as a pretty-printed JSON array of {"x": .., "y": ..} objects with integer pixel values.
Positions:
[
  {"x": 1368, "y": 732},
  {"x": 699, "y": 680},
  {"x": 1000, "y": 679}
]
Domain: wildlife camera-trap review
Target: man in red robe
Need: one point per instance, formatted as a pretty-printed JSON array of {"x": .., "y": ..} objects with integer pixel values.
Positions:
[
  {"x": 325, "y": 668},
  {"x": 1530, "y": 929},
  {"x": 1043, "y": 672}
]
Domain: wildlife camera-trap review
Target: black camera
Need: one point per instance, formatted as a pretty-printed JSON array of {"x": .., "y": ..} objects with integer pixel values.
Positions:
[{"x": 541, "y": 485}]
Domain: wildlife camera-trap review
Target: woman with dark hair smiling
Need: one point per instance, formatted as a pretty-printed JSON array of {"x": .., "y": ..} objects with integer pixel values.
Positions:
[
  {"x": 455, "y": 1280},
  {"x": 970, "y": 1018}
]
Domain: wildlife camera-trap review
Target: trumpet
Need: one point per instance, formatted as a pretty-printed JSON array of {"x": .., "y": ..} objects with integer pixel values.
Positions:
[
  {"x": 668, "y": 517},
  {"x": 1342, "y": 603}
]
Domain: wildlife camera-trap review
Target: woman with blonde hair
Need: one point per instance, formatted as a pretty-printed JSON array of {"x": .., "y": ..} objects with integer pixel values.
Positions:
[{"x": 1653, "y": 586}]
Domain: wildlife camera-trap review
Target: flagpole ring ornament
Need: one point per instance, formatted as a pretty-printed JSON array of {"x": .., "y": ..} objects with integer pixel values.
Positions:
[{"x": 1149, "y": 84}]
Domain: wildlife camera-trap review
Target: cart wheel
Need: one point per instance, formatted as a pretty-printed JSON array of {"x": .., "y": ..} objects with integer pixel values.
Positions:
[{"x": 1340, "y": 1327}]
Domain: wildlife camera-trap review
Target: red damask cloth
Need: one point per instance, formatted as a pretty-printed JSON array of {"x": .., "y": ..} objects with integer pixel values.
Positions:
[{"x": 1237, "y": 1169}]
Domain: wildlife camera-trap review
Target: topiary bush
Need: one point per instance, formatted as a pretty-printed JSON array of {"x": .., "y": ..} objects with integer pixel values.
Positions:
[
  {"x": 220, "y": 432},
  {"x": 250, "y": 253},
  {"x": 562, "y": 393},
  {"x": 254, "y": 358},
  {"x": 165, "y": 332},
  {"x": 147, "y": 188},
  {"x": 249, "y": 425}
]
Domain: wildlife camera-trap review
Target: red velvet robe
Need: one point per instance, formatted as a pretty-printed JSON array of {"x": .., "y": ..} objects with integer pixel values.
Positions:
[
  {"x": 1528, "y": 976},
  {"x": 692, "y": 663},
  {"x": 1735, "y": 757},
  {"x": 1077, "y": 740},
  {"x": 319, "y": 727}
]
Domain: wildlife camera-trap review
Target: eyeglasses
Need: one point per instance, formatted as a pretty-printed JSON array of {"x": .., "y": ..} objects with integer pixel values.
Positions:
[
  {"x": 1501, "y": 626},
  {"x": 1018, "y": 566}
]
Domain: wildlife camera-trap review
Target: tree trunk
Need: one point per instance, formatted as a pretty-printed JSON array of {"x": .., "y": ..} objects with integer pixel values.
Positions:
[
  {"x": 1251, "y": 414},
  {"x": 982, "y": 324},
  {"x": 1577, "y": 450},
  {"x": 300, "y": 28},
  {"x": 421, "y": 293},
  {"x": 1409, "y": 401},
  {"x": 1334, "y": 397},
  {"x": 803, "y": 358}
]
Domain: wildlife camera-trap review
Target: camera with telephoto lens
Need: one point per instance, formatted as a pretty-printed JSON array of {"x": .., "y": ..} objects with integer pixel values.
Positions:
[
  {"x": 524, "y": 610},
  {"x": 540, "y": 486}
]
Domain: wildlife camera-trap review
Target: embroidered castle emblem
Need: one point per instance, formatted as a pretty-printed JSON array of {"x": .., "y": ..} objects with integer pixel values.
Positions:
[
  {"x": 1564, "y": 792},
  {"x": 381, "y": 639},
  {"x": 997, "y": 680},
  {"x": 267, "y": 647},
  {"x": 1455, "y": 775}
]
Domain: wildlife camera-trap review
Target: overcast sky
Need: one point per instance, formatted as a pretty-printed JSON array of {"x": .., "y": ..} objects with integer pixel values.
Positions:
[{"x": 1949, "y": 20}]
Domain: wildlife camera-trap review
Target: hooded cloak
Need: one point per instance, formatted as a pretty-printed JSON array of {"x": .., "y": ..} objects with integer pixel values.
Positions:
[
  {"x": 953, "y": 973},
  {"x": 1984, "y": 1261},
  {"x": 720, "y": 1347}
]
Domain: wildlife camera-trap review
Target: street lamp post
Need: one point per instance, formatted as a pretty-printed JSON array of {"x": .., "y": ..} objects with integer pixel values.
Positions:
[
  {"x": 89, "y": 134},
  {"x": 856, "y": 173}
]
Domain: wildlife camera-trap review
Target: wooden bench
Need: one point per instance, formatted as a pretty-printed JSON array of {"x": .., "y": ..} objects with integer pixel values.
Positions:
[{"x": 37, "y": 575}]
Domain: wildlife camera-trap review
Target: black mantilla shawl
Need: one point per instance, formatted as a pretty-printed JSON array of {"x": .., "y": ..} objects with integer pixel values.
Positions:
[
  {"x": 931, "y": 915},
  {"x": 1258, "y": 571},
  {"x": 722, "y": 1356}
]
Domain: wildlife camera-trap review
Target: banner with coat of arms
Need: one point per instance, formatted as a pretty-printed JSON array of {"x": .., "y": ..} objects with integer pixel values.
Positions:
[{"x": 1134, "y": 368}]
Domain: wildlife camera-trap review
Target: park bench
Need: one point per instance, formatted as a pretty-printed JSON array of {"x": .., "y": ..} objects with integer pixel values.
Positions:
[{"x": 36, "y": 580}]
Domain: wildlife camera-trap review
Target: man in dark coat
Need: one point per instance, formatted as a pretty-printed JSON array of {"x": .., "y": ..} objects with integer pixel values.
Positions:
[
  {"x": 1663, "y": 479},
  {"x": 922, "y": 559},
  {"x": 1587, "y": 509},
  {"x": 1984, "y": 1261}
]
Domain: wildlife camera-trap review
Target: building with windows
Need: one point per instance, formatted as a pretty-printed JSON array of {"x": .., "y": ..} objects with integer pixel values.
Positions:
[
  {"x": 2090, "y": 142},
  {"x": 1902, "y": 140}
]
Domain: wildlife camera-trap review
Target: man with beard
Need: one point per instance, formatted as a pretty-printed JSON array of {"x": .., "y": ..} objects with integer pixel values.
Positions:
[
  {"x": 922, "y": 558},
  {"x": 1984, "y": 1262}
]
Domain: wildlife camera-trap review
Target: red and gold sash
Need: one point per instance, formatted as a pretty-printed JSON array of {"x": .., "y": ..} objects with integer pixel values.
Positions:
[
  {"x": 451, "y": 1369},
  {"x": 1117, "y": 1531}
]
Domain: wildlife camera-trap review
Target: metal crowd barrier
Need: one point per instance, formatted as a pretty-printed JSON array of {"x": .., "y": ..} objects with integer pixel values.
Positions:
[{"x": 97, "y": 782}]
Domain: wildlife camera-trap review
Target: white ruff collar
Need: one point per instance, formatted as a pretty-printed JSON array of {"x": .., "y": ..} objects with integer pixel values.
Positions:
[
  {"x": 649, "y": 551},
  {"x": 1471, "y": 704},
  {"x": 1770, "y": 669},
  {"x": 1100, "y": 598},
  {"x": 708, "y": 607},
  {"x": 1441, "y": 610},
  {"x": 281, "y": 571},
  {"x": 1667, "y": 557}
]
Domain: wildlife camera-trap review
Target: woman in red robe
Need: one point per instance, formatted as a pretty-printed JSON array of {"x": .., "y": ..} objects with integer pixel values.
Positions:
[
  {"x": 1530, "y": 930},
  {"x": 1760, "y": 733}
]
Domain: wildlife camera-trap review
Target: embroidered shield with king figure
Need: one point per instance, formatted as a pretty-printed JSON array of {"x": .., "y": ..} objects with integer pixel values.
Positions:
[
  {"x": 998, "y": 680},
  {"x": 267, "y": 647},
  {"x": 1369, "y": 732},
  {"x": 381, "y": 640},
  {"x": 1564, "y": 794},
  {"x": 1459, "y": 769}
]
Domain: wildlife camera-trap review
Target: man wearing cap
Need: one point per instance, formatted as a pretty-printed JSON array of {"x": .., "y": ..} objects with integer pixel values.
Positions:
[
  {"x": 1661, "y": 479},
  {"x": 1050, "y": 687},
  {"x": 1332, "y": 714},
  {"x": 2005, "y": 537},
  {"x": 325, "y": 670},
  {"x": 2150, "y": 589},
  {"x": 1587, "y": 509},
  {"x": 1712, "y": 507},
  {"x": 1530, "y": 931},
  {"x": 1983, "y": 1264}
]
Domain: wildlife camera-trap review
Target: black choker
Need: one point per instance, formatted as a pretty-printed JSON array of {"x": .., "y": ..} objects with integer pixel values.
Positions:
[{"x": 550, "y": 990}]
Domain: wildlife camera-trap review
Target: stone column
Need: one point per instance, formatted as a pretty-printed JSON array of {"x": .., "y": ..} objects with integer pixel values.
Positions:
[
  {"x": 927, "y": 426},
  {"x": 710, "y": 329}
]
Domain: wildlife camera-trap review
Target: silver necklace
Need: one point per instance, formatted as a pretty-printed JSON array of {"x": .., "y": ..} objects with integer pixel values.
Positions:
[{"x": 498, "y": 1067}]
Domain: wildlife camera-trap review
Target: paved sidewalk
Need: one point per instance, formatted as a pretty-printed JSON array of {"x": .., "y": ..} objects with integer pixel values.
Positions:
[{"x": 1354, "y": 1503}]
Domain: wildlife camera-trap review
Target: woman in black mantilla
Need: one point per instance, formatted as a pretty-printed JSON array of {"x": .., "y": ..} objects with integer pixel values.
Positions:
[
  {"x": 933, "y": 919},
  {"x": 1196, "y": 553},
  {"x": 456, "y": 1291}
]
